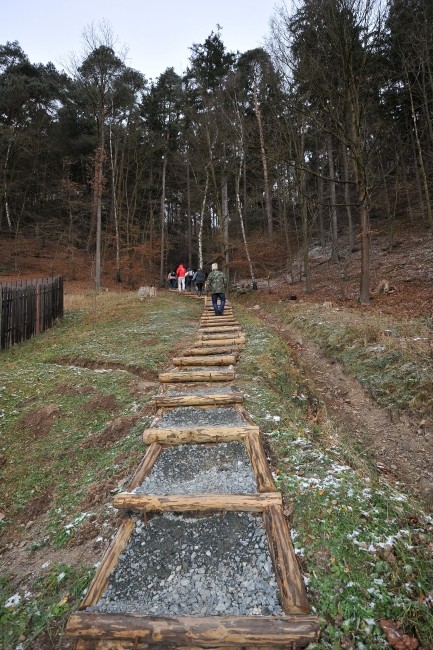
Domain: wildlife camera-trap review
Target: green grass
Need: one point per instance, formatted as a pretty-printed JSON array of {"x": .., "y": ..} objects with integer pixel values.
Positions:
[
  {"x": 365, "y": 549},
  {"x": 41, "y": 610},
  {"x": 62, "y": 396},
  {"x": 391, "y": 358}
]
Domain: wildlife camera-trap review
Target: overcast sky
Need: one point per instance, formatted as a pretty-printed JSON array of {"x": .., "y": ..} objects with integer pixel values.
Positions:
[{"x": 157, "y": 33}]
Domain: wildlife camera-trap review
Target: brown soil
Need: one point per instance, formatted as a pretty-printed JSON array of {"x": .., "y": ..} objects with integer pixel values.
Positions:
[
  {"x": 400, "y": 447},
  {"x": 39, "y": 421},
  {"x": 111, "y": 433},
  {"x": 407, "y": 265}
]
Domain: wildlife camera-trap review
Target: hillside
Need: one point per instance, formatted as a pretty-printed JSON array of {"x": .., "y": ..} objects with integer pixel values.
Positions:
[
  {"x": 334, "y": 387},
  {"x": 407, "y": 266}
]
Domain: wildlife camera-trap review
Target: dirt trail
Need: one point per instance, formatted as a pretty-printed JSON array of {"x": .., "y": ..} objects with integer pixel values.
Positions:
[{"x": 398, "y": 447}]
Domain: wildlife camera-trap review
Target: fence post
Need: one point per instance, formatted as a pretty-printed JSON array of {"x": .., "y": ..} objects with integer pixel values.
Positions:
[
  {"x": 20, "y": 317},
  {"x": 38, "y": 308}
]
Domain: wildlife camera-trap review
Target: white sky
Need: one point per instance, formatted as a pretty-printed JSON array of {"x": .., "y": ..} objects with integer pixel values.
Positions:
[{"x": 156, "y": 33}]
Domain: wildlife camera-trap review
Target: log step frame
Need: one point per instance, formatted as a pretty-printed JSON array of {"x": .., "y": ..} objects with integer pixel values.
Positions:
[
  {"x": 297, "y": 628},
  {"x": 199, "y": 401},
  {"x": 197, "y": 376},
  {"x": 289, "y": 579},
  {"x": 203, "y": 351},
  {"x": 205, "y": 360},
  {"x": 254, "y": 632},
  {"x": 197, "y": 502},
  {"x": 161, "y": 438},
  {"x": 213, "y": 341},
  {"x": 199, "y": 435}
]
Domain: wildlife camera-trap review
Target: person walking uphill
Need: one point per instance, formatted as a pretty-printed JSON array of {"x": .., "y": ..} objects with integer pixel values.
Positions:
[
  {"x": 180, "y": 274},
  {"x": 198, "y": 279},
  {"x": 216, "y": 284}
]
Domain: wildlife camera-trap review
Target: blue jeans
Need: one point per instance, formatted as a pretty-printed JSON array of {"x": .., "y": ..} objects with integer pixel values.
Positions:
[{"x": 222, "y": 297}]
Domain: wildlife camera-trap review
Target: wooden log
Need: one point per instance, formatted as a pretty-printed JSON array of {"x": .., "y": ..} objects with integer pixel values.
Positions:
[
  {"x": 213, "y": 327},
  {"x": 221, "y": 329},
  {"x": 194, "y": 352},
  {"x": 145, "y": 466},
  {"x": 244, "y": 413},
  {"x": 197, "y": 375},
  {"x": 259, "y": 462},
  {"x": 190, "y": 502},
  {"x": 235, "y": 332},
  {"x": 219, "y": 322},
  {"x": 179, "y": 436},
  {"x": 218, "y": 319},
  {"x": 222, "y": 399},
  {"x": 117, "y": 644},
  {"x": 203, "y": 632},
  {"x": 235, "y": 340},
  {"x": 216, "y": 360},
  {"x": 292, "y": 590},
  {"x": 109, "y": 561},
  {"x": 221, "y": 336}
]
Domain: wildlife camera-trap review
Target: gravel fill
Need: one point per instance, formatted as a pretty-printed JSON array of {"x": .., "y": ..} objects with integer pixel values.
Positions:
[
  {"x": 209, "y": 566},
  {"x": 223, "y": 468},
  {"x": 188, "y": 416}
]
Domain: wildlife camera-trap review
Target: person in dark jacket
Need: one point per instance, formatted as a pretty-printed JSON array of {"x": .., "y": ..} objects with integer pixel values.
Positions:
[
  {"x": 172, "y": 280},
  {"x": 198, "y": 280},
  {"x": 216, "y": 285},
  {"x": 188, "y": 279}
]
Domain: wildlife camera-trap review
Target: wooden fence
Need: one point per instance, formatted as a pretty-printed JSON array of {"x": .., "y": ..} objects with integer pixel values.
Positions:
[{"x": 28, "y": 307}]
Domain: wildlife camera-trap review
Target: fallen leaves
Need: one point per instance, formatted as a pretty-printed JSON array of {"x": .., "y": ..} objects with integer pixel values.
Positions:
[{"x": 396, "y": 638}]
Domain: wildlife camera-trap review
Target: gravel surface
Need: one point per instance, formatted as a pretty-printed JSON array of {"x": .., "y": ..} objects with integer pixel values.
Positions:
[
  {"x": 188, "y": 416},
  {"x": 223, "y": 468},
  {"x": 208, "y": 566}
]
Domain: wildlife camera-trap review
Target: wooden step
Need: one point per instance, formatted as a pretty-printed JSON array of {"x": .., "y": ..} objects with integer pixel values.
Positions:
[
  {"x": 192, "y": 502},
  {"x": 196, "y": 435},
  {"x": 220, "y": 340},
  {"x": 197, "y": 376},
  {"x": 255, "y": 632},
  {"x": 221, "y": 399},
  {"x": 216, "y": 360},
  {"x": 220, "y": 349}
]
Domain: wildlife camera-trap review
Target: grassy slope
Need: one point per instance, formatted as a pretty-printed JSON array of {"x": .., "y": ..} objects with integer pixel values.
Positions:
[
  {"x": 366, "y": 549},
  {"x": 70, "y": 424},
  {"x": 70, "y": 435}
]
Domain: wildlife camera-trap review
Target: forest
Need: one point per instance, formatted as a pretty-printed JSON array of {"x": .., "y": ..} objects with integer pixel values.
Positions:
[{"x": 323, "y": 136}]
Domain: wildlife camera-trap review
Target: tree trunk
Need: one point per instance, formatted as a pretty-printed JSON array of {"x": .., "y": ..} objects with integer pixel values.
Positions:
[
  {"x": 113, "y": 160},
  {"x": 268, "y": 200},
  {"x": 333, "y": 202},
  {"x": 200, "y": 230},
  {"x": 5, "y": 186},
  {"x": 98, "y": 189},
  {"x": 162, "y": 222},
  {"x": 241, "y": 221},
  {"x": 421, "y": 161},
  {"x": 188, "y": 213},
  {"x": 304, "y": 212},
  {"x": 320, "y": 191},
  {"x": 225, "y": 224},
  {"x": 347, "y": 198},
  {"x": 362, "y": 194}
]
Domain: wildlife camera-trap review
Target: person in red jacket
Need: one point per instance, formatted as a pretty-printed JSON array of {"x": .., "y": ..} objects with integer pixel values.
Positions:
[{"x": 180, "y": 274}]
